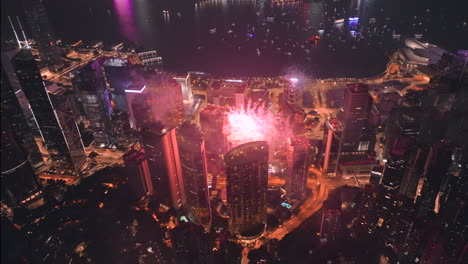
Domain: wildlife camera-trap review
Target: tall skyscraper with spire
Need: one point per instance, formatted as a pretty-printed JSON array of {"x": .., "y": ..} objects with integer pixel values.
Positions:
[{"x": 21, "y": 69}]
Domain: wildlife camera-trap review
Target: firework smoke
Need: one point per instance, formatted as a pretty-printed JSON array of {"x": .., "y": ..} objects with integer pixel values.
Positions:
[{"x": 249, "y": 124}]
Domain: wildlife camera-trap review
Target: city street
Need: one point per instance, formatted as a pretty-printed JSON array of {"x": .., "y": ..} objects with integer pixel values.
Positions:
[
  {"x": 105, "y": 158},
  {"x": 307, "y": 209}
]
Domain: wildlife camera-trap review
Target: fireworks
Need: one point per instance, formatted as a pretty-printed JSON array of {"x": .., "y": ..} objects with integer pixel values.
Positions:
[{"x": 249, "y": 124}]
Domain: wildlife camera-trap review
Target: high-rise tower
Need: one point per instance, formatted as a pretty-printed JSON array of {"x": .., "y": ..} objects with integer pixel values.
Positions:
[
  {"x": 332, "y": 141},
  {"x": 15, "y": 119},
  {"x": 298, "y": 159},
  {"x": 247, "y": 173},
  {"x": 18, "y": 181},
  {"x": 194, "y": 171},
  {"x": 356, "y": 108},
  {"x": 293, "y": 93},
  {"x": 393, "y": 173},
  {"x": 89, "y": 83},
  {"x": 160, "y": 145},
  {"x": 138, "y": 173},
  {"x": 70, "y": 158}
]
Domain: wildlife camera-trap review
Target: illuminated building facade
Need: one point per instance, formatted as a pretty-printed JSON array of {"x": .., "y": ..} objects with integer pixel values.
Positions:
[
  {"x": 293, "y": 93},
  {"x": 393, "y": 173},
  {"x": 60, "y": 99},
  {"x": 376, "y": 175},
  {"x": 229, "y": 93},
  {"x": 150, "y": 59},
  {"x": 298, "y": 160},
  {"x": 117, "y": 74},
  {"x": 17, "y": 120},
  {"x": 63, "y": 155},
  {"x": 138, "y": 172},
  {"x": 121, "y": 128},
  {"x": 246, "y": 168},
  {"x": 89, "y": 83},
  {"x": 332, "y": 142},
  {"x": 356, "y": 109},
  {"x": 186, "y": 88},
  {"x": 194, "y": 171},
  {"x": 160, "y": 145}
]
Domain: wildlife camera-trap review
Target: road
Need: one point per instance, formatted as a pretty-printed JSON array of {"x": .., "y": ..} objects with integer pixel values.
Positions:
[
  {"x": 106, "y": 158},
  {"x": 307, "y": 209},
  {"x": 82, "y": 63}
]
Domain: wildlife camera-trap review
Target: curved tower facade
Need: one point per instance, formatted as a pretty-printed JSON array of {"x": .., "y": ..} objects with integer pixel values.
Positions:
[
  {"x": 18, "y": 181},
  {"x": 247, "y": 175}
]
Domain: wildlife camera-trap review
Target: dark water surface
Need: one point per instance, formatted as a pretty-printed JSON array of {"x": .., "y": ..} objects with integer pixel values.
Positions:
[{"x": 249, "y": 37}]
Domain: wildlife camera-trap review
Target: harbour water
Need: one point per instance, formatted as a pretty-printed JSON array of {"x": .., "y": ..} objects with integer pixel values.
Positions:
[{"x": 322, "y": 38}]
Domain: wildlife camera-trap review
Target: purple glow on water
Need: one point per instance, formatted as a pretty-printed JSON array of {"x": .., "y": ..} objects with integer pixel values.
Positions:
[{"x": 126, "y": 16}]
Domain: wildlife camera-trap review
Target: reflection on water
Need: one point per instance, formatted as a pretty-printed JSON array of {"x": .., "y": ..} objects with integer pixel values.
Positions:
[
  {"x": 256, "y": 37},
  {"x": 126, "y": 16}
]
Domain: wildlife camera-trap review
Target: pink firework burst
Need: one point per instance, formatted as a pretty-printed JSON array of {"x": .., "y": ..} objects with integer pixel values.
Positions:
[{"x": 248, "y": 124}]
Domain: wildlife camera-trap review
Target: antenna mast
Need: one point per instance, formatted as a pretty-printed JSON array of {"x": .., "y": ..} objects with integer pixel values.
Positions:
[
  {"x": 14, "y": 31},
  {"x": 25, "y": 42}
]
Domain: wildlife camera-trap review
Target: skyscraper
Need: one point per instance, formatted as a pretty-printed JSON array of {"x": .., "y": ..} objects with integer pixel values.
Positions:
[
  {"x": 186, "y": 87},
  {"x": 89, "y": 84},
  {"x": 60, "y": 99},
  {"x": 139, "y": 177},
  {"x": 298, "y": 160},
  {"x": 160, "y": 145},
  {"x": 247, "y": 173},
  {"x": 117, "y": 74},
  {"x": 332, "y": 141},
  {"x": 15, "y": 119},
  {"x": 63, "y": 155},
  {"x": 293, "y": 93},
  {"x": 415, "y": 173},
  {"x": 41, "y": 31},
  {"x": 121, "y": 128},
  {"x": 356, "y": 109},
  {"x": 393, "y": 173},
  {"x": 194, "y": 171},
  {"x": 18, "y": 181},
  {"x": 403, "y": 126}
]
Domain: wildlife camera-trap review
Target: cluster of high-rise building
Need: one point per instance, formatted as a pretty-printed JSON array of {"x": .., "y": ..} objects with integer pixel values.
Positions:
[
  {"x": 122, "y": 104},
  {"x": 176, "y": 152},
  {"x": 349, "y": 138},
  {"x": 414, "y": 202}
]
